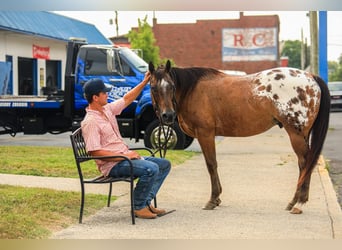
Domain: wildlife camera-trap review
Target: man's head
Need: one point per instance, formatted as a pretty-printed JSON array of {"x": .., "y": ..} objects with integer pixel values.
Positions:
[{"x": 94, "y": 87}]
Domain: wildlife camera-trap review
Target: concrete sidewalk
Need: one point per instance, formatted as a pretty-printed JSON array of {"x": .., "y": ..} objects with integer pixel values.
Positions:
[{"x": 258, "y": 175}]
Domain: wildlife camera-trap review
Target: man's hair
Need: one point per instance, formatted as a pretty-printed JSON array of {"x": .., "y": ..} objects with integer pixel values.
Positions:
[{"x": 89, "y": 98}]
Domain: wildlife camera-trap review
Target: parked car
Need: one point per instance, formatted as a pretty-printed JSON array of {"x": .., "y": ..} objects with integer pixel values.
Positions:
[
  {"x": 335, "y": 89},
  {"x": 234, "y": 72}
]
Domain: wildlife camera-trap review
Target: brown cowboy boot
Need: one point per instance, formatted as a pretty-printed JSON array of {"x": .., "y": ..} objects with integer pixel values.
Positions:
[
  {"x": 145, "y": 213},
  {"x": 156, "y": 211}
]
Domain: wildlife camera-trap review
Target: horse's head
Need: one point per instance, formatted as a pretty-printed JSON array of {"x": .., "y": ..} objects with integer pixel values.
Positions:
[{"x": 163, "y": 93}]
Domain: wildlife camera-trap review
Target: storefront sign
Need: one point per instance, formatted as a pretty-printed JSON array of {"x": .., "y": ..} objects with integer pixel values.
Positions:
[
  {"x": 40, "y": 52},
  {"x": 249, "y": 44}
]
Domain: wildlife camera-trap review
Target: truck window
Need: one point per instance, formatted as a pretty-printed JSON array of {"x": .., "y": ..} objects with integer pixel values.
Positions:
[
  {"x": 134, "y": 59},
  {"x": 96, "y": 62},
  {"x": 126, "y": 69}
]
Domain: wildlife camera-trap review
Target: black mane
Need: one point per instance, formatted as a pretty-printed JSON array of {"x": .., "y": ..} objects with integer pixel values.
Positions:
[{"x": 186, "y": 79}]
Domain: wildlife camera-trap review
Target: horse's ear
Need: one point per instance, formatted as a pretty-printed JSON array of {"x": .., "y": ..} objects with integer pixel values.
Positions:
[
  {"x": 151, "y": 67},
  {"x": 168, "y": 66}
]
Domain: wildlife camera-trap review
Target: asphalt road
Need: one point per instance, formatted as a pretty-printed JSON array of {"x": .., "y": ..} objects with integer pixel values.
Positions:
[
  {"x": 332, "y": 152},
  {"x": 63, "y": 140}
]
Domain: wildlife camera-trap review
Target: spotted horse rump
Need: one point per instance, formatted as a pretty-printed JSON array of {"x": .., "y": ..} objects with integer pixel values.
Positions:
[{"x": 295, "y": 94}]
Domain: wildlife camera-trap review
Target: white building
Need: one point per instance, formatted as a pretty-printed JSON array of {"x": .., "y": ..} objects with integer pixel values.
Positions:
[{"x": 33, "y": 50}]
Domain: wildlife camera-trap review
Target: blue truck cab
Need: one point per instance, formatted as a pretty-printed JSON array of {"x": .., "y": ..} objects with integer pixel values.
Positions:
[{"x": 121, "y": 69}]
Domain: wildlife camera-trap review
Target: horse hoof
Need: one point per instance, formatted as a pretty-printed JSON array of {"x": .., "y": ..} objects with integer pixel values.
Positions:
[
  {"x": 212, "y": 204},
  {"x": 296, "y": 210},
  {"x": 289, "y": 207},
  {"x": 218, "y": 201},
  {"x": 209, "y": 206}
]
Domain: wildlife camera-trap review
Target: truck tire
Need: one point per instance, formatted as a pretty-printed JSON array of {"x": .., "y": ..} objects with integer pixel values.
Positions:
[
  {"x": 177, "y": 140},
  {"x": 188, "y": 141}
]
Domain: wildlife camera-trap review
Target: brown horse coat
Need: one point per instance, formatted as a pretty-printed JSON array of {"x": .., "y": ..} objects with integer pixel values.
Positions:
[{"x": 209, "y": 103}]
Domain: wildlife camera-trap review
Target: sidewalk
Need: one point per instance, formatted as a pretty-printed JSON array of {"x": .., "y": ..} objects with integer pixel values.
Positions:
[{"x": 258, "y": 176}]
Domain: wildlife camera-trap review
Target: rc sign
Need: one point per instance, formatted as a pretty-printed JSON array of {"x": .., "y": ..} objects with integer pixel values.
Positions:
[{"x": 249, "y": 44}]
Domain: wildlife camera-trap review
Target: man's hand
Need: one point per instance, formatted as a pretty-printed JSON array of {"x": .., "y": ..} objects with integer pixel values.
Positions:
[
  {"x": 147, "y": 77},
  {"x": 130, "y": 155},
  {"x": 133, "y": 155},
  {"x": 133, "y": 93}
]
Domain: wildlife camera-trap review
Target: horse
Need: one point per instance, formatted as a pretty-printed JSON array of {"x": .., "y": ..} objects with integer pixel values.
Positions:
[{"x": 208, "y": 103}]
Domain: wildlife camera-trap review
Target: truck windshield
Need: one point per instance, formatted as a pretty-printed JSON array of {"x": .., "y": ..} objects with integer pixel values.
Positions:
[
  {"x": 96, "y": 62},
  {"x": 134, "y": 59}
]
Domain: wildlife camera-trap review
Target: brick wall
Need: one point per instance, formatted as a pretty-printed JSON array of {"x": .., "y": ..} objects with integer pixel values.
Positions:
[{"x": 200, "y": 43}]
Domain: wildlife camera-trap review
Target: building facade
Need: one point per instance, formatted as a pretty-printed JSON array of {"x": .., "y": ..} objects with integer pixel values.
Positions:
[{"x": 249, "y": 44}]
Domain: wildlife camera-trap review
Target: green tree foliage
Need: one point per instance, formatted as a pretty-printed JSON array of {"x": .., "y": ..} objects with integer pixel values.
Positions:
[
  {"x": 292, "y": 49},
  {"x": 143, "y": 38},
  {"x": 335, "y": 70},
  {"x": 164, "y": 60}
]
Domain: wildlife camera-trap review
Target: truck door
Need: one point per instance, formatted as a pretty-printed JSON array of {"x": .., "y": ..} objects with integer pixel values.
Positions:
[
  {"x": 106, "y": 63},
  {"x": 122, "y": 79}
]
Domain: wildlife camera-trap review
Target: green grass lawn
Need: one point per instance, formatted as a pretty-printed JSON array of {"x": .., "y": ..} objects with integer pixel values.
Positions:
[
  {"x": 40, "y": 161},
  {"x": 34, "y": 213},
  {"x": 57, "y": 161}
]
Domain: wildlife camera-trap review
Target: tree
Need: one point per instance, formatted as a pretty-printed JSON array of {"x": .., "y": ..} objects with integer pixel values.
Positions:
[
  {"x": 292, "y": 49},
  {"x": 335, "y": 70},
  {"x": 143, "y": 38}
]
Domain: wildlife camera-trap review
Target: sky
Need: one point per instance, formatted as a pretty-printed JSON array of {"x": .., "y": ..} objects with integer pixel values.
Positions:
[{"x": 291, "y": 22}]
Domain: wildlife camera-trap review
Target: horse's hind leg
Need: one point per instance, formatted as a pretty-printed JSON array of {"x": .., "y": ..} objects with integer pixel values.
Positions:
[
  {"x": 301, "y": 196},
  {"x": 208, "y": 148}
]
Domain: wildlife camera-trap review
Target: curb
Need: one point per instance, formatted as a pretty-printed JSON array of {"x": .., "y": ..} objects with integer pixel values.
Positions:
[{"x": 333, "y": 208}]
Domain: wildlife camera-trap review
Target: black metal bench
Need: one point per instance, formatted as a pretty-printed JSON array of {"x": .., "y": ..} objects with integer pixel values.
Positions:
[{"x": 81, "y": 155}]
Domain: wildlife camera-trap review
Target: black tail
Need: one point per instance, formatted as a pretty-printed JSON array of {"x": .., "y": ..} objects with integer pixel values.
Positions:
[{"x": 318, "y": 131}]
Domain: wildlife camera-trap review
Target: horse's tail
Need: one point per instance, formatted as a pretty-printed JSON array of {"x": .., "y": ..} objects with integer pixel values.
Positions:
[{"x": 318, "y": 131}]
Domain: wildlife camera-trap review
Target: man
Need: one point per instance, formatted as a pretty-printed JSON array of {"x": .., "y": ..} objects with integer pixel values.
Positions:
[{"x": 102, "y": 137}]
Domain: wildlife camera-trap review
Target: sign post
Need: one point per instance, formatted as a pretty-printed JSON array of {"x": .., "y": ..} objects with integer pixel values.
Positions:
[{"x": 323, "y": 46}]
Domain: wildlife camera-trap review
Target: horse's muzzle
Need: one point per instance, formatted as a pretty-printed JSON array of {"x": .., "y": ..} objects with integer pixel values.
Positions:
[{"x": 168, "y": 117}]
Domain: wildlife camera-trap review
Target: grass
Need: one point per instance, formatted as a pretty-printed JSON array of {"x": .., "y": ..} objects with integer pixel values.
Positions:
[
  {"x": 34, "y": 213},
  {"x": 38, "y": 161},
  {"x": 327, "y": 165},
  {"x": 57, "y": 161},
  {"x": 331, "y": 129}
]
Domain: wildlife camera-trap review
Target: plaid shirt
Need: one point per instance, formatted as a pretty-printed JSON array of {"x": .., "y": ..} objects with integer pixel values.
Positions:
[{"x": 101, "y": 132}]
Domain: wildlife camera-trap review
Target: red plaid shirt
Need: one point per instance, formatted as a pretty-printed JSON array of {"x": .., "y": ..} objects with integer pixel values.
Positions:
[{"x": 101, "y": 132}]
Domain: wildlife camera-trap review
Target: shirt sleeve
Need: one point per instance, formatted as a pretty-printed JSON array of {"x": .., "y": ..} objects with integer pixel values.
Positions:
[{"x": 116, "y": 107}]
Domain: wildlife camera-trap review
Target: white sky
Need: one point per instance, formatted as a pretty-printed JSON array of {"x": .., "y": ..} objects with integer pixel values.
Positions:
[{"x": 291, "y": 22}]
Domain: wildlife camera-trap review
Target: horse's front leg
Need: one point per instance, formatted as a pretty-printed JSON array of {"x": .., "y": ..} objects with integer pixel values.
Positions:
[{"x": 207, "y": 144}]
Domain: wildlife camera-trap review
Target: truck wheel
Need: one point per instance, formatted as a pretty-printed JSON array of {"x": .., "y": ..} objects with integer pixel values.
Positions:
[
  {"x": 188, "y": 141},
  {"x": 176, "y": 141}
]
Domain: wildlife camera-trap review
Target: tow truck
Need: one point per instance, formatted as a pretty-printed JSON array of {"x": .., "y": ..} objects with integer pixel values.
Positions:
[{"x": 62, "y": 110}]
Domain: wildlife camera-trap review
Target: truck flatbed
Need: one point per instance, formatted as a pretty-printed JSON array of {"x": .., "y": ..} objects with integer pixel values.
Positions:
[{"x": 29, "y": 102}]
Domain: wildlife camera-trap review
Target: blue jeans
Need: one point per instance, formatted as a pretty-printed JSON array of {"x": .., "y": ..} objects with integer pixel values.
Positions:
[{"x": 151, "y": 172}]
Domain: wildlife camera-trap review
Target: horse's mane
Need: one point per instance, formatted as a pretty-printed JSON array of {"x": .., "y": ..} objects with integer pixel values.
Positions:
[{"x": 186, "y": 79}]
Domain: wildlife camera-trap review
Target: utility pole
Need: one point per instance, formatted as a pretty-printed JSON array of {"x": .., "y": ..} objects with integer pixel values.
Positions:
[
  {"x": 302, "y": 52},
  {"x": 314, "y": 42},
  {"x": 116, "y": 23}
]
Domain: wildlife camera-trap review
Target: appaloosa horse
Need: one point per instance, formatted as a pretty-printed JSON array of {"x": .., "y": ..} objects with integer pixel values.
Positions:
[{"x": 208, "y": 102}]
